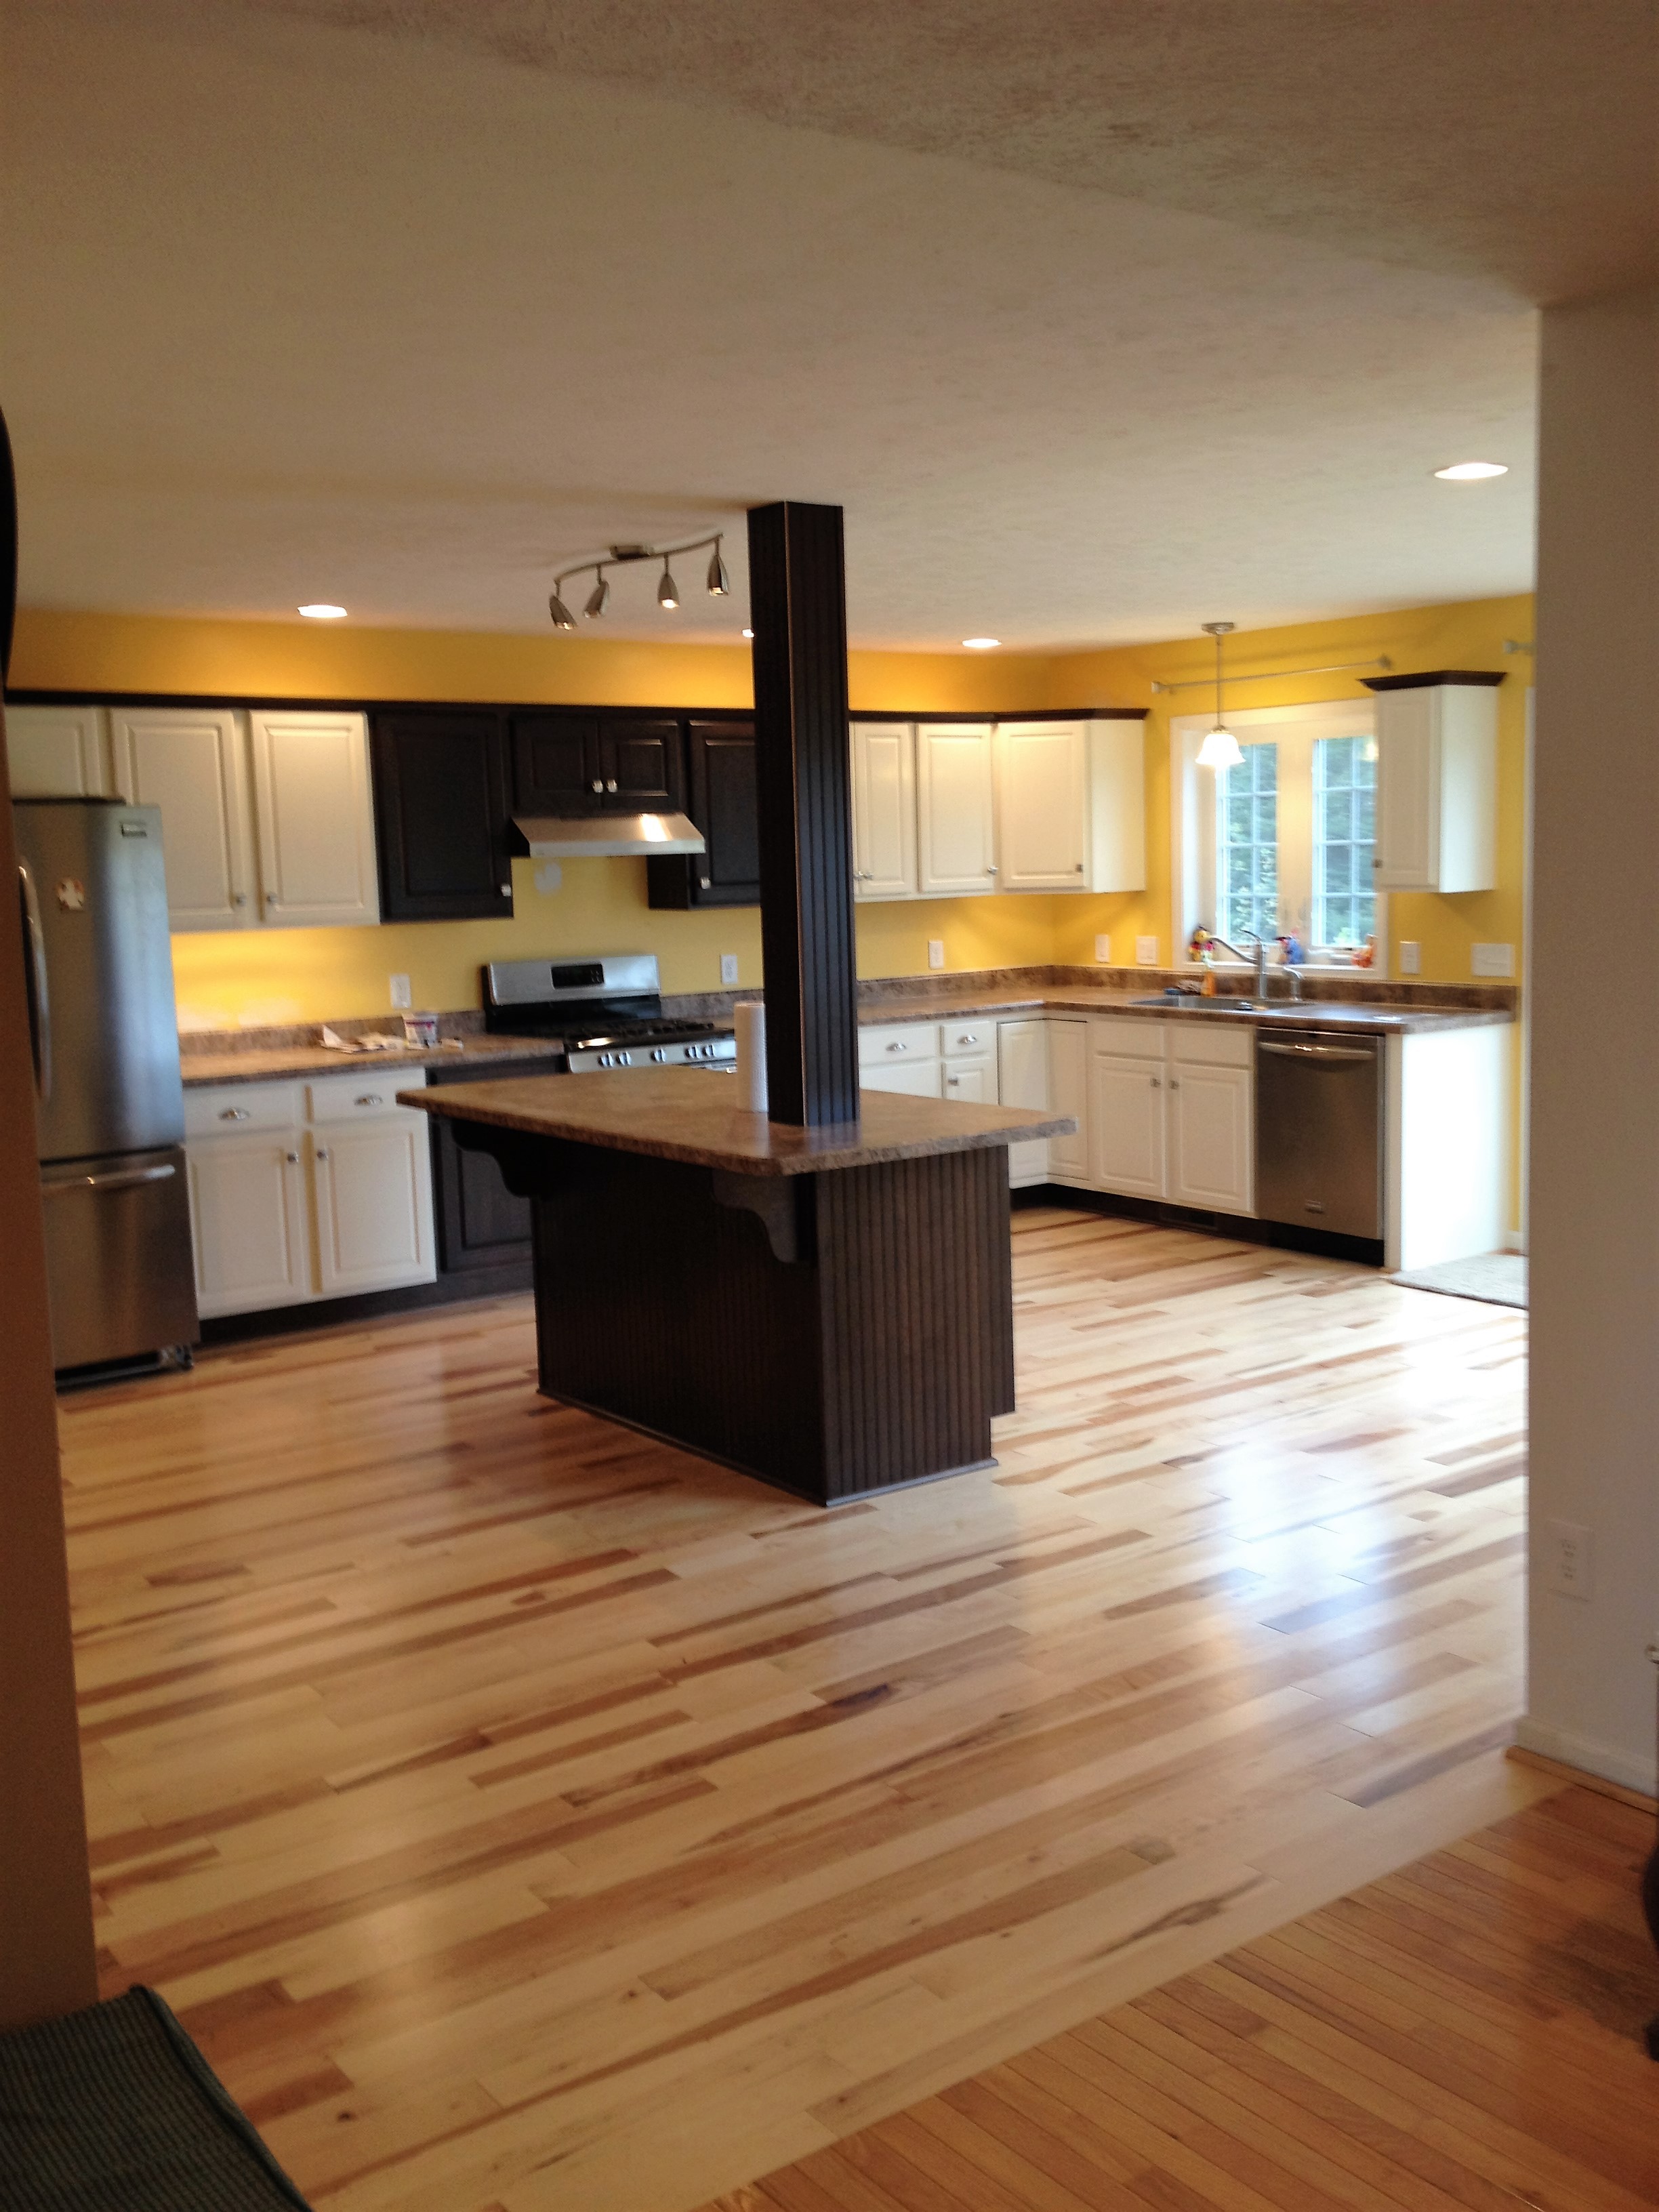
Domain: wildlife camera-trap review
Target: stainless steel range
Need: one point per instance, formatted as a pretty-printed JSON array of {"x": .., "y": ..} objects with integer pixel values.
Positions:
[{"x": 606, "y": 1012}]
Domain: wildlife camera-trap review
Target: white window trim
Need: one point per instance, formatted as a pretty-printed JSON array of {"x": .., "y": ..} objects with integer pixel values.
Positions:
[{"x": 1192, "y": 813}]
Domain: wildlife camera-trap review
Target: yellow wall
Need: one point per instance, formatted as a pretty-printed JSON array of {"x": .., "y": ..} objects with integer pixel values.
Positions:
[{"x": 264, "y": 975}]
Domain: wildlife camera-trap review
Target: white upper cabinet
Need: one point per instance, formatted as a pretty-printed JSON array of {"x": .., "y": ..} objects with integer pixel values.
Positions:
[
  {"x": 60, "y": 752},
  {"x": 315, "y": 817},
  {"x": 955, "y": 810},
  {"x": 1043, "y": 779},
  {"x": 191, "y": 762},
  {"x": 1437, "y": 786},
  {"x": 883, "y": 810}
]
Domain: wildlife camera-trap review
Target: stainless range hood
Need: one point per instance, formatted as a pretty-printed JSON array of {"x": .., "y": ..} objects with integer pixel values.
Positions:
[{"x": 606, "y": 837}]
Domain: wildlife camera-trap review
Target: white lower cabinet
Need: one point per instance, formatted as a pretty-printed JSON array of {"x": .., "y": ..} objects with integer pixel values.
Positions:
[
  {"x": 303, "y": 1191},
  {"x": 901, "y": 1056},
  {"x": 1126, "y": 1125},
  {"x": 1211, "y": 1138},
  {"x": 1023, "y": 1080},
  {"x": 1068, "y": 1093}
]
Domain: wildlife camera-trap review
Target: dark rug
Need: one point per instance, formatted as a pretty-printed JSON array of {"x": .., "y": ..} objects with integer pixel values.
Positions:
[{"x": 115, "y": 2110}]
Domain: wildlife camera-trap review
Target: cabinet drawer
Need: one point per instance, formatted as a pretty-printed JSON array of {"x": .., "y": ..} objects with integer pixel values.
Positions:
[
  {"x": 896, "y": 1042},
  {"x": 1126, "y": 1037},
  {"x": 1198, "y": 1043},
  {"x": 968, "y": 1040},
  {"x": 230, "y": 1108},
  {"x": 354, "y": 1098}
]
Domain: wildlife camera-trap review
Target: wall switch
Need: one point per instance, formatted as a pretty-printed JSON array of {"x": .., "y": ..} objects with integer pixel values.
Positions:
[
  {"x": 728, "y": 967},
  {"x": 401, "y": 995},
  {"x": 549, "y": 876},
  {"x": 936, "y": 953},
  {"x": 1146, "y": 952},
  {"x": 1103, "y": 948},
  {"x": 1491, "y": 960},
  {"x": 1569, "y": 1560},
  {"x": 1411, "y": 956}
]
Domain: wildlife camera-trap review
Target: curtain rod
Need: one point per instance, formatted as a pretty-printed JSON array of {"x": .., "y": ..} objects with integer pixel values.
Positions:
[{"x": 1275, "y": 675}]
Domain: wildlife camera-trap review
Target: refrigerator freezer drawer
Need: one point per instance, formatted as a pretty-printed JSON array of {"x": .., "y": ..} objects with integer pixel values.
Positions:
[{"x": 119, "y": 1273}]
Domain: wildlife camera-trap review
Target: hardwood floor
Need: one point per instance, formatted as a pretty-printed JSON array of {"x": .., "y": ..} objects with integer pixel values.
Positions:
[
  {"x": 1464, "y": 2032},
  {"x": 523, "y": 1814}
]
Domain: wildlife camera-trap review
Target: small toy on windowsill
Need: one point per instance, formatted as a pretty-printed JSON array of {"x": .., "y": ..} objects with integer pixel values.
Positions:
[
  {"x": 1292, "y": 950},
  {"x": 1366, "y": 956}
]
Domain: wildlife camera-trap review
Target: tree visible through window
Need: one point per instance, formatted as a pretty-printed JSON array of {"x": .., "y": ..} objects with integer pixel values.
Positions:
[
  {"x": 1343, "y": 833},
  {"x": 1246, "y": 845}
]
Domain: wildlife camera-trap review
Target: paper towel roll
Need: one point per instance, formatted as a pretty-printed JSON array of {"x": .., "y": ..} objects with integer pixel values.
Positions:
[{"x": 749, "y": 1020}]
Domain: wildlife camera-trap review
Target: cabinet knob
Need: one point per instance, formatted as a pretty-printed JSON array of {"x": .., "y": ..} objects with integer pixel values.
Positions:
[
  {"x": 1079, "y": 867},
  {"x": 233, "y": 1113},
  {"x": 1156, "y": 1083},
  {"x": 271, "y": 898},
  {"x": 954, "y": 1080},
  {"x": 992, "y": 869},
  {"x": 969, "y": 1036},
  {"x": 611, "y": 783},
  {"x": 322, "y": 1152},
  {"x": 507, "y": 890},
  {"x": 706, "y": 882},
  {"x": 1175, "y": 1082},
  {"x": 599, "y": 783},
  {"x": 292, "y": 1158},
  {"x": 897, "y": 1046},
  {"x": 240, "y": 899},
  {"x": 369, "y": 1098}
]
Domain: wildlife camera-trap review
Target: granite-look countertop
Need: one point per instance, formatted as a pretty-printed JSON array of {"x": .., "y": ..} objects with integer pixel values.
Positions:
[
  {"x": 272, "y": 1066},
  {"x": 1372, "y": 1020},
  {"x": 690, "y": 1114}
]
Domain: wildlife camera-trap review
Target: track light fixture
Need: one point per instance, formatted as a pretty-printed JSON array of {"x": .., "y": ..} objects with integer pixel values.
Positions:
[
  {"x": 719, "y": 578},
  {"x": 1220, "y": 748}
]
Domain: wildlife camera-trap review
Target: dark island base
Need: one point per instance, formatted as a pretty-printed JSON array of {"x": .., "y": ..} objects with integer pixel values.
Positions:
[{"x": 835, "y": 1335}]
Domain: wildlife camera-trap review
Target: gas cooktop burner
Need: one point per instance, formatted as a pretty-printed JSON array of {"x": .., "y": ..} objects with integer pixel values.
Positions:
[{"x": 633, "y": 1033}]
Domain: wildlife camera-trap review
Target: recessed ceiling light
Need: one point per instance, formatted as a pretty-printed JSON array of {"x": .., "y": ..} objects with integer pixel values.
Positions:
[
  {"x": 321, "y": 611},
  {"x": 982, "y": 644},
  {"x": 1472, "y": 471},
  {"x": 749, "y": 633}
]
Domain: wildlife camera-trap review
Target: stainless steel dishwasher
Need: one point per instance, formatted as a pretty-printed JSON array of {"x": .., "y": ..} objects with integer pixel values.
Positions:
[{"x": 1319, "y": 1131}]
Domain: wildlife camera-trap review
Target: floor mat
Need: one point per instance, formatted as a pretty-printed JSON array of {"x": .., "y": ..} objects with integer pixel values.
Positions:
[{"x": 1500, "y": 1278}]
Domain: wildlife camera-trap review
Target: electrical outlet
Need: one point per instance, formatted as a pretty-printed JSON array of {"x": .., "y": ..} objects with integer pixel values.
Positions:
[
  {"x": 936, "y": 953},
  {"x": 728, "y": 967},
  {"x": 1103, "y": 950},
  {"x": 1569, "y": 1560},
  {"x": 401, "y": 995},
  {"x": 1146, "y": 952},
  {"x": 1491, "y": 960},
  {"x": 1411, "y": 956},
  {"x": 549, "y": 876}
]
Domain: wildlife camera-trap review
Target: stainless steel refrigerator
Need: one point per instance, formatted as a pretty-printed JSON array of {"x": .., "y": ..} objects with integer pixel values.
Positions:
[{"x": 109, "y": 1105}]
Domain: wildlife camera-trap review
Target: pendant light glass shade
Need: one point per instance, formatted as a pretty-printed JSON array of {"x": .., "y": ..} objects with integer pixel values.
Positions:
[
  {"x": 667, "y": 590},
  {"x": 720, "y": 584},
  {"x": 597, "y": 599},
  {"x": 563, "y": 618},
  {"x": 1219, "y": 749}
]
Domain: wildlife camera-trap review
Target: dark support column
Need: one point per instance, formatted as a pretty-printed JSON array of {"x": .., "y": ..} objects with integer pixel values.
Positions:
[{"x": 797, "y": 603}]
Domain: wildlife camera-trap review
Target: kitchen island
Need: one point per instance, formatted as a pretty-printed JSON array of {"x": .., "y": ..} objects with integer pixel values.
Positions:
[{"x": 829, "y": 1307}]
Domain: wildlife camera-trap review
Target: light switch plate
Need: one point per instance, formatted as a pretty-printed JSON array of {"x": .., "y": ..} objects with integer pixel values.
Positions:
[
  {"x": 1569, "y": 1560},
  {"x": 549, "y": 876},
  {"x": 1411, "y": 956},
  {"x": 728, "y": 967},
  {"x": 1146, "y": 952},
  {"x": 1103, "y": 948},
  {"x": 936, "y": 953},
  {"x": 401, "y": 995},
  {"x": 1491, "y": 960}
]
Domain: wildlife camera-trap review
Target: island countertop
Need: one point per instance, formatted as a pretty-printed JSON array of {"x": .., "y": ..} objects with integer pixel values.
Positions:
[{"x": 691, "y": 1115}]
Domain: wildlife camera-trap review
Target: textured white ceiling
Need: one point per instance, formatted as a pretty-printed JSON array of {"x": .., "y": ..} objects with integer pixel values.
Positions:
[{"x": 411, "y": 314}]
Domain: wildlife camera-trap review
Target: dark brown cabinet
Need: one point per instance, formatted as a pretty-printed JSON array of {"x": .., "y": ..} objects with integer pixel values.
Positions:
[
  {"x": 721, "y": 801},
  {"x": 566, "y": 763},
  {"x": 441, "y": 814},
  {"x": 481, "y": 1227}
]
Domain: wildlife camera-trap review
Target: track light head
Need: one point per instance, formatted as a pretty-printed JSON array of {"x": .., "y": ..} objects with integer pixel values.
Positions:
[
  {"x": 599, "y": 598},
  {"x": 563, "y": 618},
  {"x": 668, "y": 596},
  {"x": 720, "y": 584}
]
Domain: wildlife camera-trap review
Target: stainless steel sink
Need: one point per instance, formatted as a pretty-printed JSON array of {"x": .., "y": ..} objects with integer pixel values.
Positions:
[{"x": 1191, "y": 1003}]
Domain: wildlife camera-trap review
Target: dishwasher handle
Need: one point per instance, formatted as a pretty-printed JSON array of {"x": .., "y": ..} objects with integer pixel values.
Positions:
[{"x": 1316, "y": 1051}]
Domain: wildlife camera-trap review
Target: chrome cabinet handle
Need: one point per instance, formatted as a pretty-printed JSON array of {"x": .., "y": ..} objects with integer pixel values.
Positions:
[
  {"x": 118, "y": 1179},
  {"x": 36, "y": 984},
  {"x": 369, "y": 1098},
  {"x": 968, "y": 1036},
  {"x": 897, "y": 1046},
  {"x": 1312, "y": 1051},
  {"x": 233, "y": 1113}
]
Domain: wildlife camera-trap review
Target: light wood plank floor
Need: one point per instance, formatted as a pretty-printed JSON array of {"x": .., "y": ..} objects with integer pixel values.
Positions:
[
  {"x": 1464, "y": 2033},
  {"x": 522, "y": 1813}
]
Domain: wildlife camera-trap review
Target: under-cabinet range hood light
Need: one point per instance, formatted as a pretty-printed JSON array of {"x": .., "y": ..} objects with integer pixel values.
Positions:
[{"x": 607, "y": 836}]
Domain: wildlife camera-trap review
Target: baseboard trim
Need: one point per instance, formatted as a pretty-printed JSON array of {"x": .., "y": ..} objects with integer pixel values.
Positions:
[
  {"x": 1579, "y": 1778},
  {"x": 1536, "y": 1743}
]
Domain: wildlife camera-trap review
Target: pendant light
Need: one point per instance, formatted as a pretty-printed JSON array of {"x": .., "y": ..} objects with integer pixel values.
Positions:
[
  {"x": 720, "y": 584},
  {"x": 1220, "y": 748},
  {"x": 667, "y": 590}
]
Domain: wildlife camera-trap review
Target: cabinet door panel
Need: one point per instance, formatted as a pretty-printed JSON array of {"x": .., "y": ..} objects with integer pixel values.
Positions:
[
  {"x": 440, "y": 815},
  {"x": 191, "y": 762},
  {"x": 247, "y": 1210},
  {"x": 1042, "y": 795},
  {"x": 1407, "y": 792},
  {"x": 972, "y": 1081},
  {"x": 555, "y": 763},
  {"x": 1126, "y": 1126},
  {"x": 1212, "y": 1163},
  {"x": 639, "y": 765},
  {"x": 314, "y": 816},
  {"x": 60, "y": 752},
  {"x": 373, "y": 1205},
  {"x": 954, "y": 810},
  {"x": 883, "y": 810},
  {"x": 725, "y": 807},
  {"x": 919, "y": 1078},
  {"x": 1023, "y": 1080},
  {"x": 1068, "y": 1093}
]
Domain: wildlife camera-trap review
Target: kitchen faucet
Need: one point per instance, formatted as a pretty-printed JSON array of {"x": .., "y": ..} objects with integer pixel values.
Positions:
[{"x": 1260, "y": 958}]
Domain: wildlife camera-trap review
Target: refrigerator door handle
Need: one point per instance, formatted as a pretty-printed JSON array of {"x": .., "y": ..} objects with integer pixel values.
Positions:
[
  {"x": 118, "y": 1179},
  {"x": 38, "y": 988}
]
